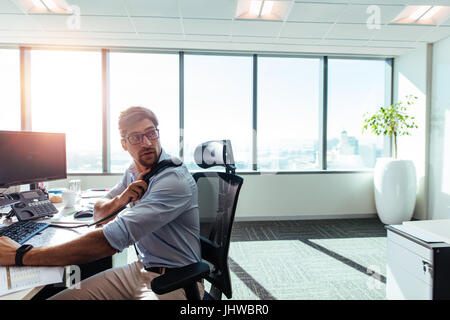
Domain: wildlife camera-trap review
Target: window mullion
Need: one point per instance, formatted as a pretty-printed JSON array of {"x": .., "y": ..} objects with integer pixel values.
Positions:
[
  {"x": 106, "y": 154},
  {"x": 25, "y": 88},
  {"x": 181, "y": 109},
  {"x": 323, "y": 111},
  {"x": 255, "y": 114}
]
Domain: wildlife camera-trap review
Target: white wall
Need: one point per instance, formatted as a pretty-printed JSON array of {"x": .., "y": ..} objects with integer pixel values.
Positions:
[
  {"x": 286, "y": 196},
  {"x": 439, "y": 190},
  {"x": 410, "y": 77},
  {"x": 306, "y": 196}
]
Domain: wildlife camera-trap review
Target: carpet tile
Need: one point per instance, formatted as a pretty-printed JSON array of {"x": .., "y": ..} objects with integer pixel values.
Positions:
[{"x": 340, "y": 259}]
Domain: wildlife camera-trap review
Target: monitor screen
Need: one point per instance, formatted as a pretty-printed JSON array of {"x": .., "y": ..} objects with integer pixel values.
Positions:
[{"x": 29, "y": 157}]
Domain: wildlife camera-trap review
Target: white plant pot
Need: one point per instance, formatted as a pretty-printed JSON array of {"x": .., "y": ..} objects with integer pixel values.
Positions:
[{"x": 395, "y": 190}]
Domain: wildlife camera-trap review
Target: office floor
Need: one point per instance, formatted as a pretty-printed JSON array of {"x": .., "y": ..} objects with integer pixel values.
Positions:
[
  {"x": 309, "y": 259},
  {"x": 336, "y": 259}
]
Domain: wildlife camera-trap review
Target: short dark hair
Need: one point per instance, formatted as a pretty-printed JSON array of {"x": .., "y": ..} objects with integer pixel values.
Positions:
[{"x": 132, "y": 115}]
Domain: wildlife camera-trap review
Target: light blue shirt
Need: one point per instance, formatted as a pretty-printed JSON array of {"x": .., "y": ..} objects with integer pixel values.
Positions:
[{"x": 164, "y": 223}]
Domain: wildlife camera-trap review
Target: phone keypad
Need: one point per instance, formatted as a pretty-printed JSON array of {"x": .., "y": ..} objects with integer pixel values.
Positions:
[{"x": 43, "y": 207}]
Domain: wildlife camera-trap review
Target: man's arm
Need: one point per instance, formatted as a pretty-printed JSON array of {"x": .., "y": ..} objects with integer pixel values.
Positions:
[
  {"x": 133, "y": 192},
  {"x": 104, "y": 207},
  {"x": 87, "y": 248}
]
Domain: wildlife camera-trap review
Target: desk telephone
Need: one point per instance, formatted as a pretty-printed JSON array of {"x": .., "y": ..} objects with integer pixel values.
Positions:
[{"x": 33, "y": 204}]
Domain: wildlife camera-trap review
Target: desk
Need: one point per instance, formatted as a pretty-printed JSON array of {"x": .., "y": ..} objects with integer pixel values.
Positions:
[
  {"x": 54, "y": 236},
  {"x": 418, "y": 266}
]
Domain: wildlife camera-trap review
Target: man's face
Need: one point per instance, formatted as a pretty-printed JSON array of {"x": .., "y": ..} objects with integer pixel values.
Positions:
[{"x": 146, "y": 153}]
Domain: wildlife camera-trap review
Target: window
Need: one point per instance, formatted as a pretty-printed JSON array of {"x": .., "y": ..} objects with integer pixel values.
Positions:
[
  {"x": 9, "y": 89},
  {"x": 354, "y": 87},
  {"x": 218, "y": 105},
  {"x": 148, "y": 80},
  {"x": 66, "y": 96},
  {"x": 288, "y": 113}
]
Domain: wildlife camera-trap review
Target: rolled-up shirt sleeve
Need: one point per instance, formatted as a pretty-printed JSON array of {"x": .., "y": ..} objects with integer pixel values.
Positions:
[
  {"x": 166, "y": 198},
  {"x": 118, "y": 188}
]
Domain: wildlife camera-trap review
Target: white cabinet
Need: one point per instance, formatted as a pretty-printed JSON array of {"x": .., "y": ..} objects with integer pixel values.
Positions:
[{"x": 416, "y": 270}]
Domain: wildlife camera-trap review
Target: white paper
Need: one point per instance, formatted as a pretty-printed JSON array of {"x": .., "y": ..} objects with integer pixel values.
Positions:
[
  {"x": 94, "y": 193},
  {"x": 439, "y": 229},
  {"x": 416, "y": 233},
  {"x": 14, "y": 279}
]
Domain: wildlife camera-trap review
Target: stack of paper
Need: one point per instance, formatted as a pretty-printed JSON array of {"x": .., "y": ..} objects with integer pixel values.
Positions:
[
  {"x": 94, "y": 193},
  {"x": 14, "y": 279}
]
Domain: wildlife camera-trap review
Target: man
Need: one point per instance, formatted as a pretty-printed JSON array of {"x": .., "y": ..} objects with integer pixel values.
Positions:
[{"x": 163, "y": 222}]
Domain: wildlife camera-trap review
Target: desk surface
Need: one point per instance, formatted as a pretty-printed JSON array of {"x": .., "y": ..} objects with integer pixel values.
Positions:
[
  {"x": 435, "y": 228},
  {"x": 51, "y": 236}
]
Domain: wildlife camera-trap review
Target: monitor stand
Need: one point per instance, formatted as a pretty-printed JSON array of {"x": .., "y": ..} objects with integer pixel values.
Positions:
[{"x": 34, "y": 186}]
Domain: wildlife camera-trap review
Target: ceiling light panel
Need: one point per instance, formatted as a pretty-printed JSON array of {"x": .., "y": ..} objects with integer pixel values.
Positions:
[
  {"x": 262, "y": 9},
  {"x": 429, "y": 15},
  {"x": 46, "y": 6}
]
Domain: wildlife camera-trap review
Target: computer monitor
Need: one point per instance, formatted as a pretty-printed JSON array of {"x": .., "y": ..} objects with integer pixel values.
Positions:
[{"x": 31, "y": 157}]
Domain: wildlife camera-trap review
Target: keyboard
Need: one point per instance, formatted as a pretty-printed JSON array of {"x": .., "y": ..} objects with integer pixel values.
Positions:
[
  {"x": 6, "y": 200},
  {"x": 23, "y": 230}
]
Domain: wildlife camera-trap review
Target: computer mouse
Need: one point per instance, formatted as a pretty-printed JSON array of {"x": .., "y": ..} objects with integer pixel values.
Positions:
[{"x": 84, "y": 214}]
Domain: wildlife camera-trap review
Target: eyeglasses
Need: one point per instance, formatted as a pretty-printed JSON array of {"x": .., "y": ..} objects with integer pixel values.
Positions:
[{"x": 138, "y": 138}]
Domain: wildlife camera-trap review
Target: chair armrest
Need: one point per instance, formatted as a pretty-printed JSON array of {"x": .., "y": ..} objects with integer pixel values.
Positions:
[{"x": 180, "y": 277}]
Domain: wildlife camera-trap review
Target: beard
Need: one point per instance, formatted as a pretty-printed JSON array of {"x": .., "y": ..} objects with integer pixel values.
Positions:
[{"x": 148, "y": 157}]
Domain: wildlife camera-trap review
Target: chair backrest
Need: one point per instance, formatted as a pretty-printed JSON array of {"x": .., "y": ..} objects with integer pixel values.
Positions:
[
  {"x": 215, "y": 153},
  {"x": 218, "y": 196}
]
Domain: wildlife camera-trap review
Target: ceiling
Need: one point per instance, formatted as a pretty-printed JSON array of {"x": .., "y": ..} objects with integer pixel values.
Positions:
[{"x": 310, "y": 27}]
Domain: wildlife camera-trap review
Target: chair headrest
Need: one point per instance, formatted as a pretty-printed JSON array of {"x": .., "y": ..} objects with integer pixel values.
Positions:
[{"x": 215, "y": 153}]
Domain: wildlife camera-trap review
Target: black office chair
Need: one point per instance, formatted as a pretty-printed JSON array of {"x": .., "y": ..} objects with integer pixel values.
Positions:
[{"x": 218, "y": 194}]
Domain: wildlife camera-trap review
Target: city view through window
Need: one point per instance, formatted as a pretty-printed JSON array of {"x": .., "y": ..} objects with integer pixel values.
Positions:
[
  {"x": 354, "y": 88},
  {"x": 9, "y": 89},
  {"x": 66, "y": 91}
]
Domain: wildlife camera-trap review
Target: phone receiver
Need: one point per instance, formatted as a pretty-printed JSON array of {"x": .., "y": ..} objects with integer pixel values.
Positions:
[{"x": 160, "y": 166}]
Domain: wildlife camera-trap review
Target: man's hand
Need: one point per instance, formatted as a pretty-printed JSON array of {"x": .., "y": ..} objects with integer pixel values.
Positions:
[
  {"x": 135, "y": 190},
  {"x": 8, "y": 249}
]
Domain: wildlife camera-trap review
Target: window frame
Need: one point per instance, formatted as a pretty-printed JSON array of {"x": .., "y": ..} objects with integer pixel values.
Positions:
[
  {"x": 254, "y": 119},
  {"x": 106, "y": 116},
  {"x": 26, "y": 105},
  {"x": 388, "y": 100},
  {"x": 25, "y": 67}
]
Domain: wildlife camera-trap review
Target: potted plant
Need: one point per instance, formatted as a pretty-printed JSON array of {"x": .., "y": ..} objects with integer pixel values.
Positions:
[{"x": 394, "y": 179}]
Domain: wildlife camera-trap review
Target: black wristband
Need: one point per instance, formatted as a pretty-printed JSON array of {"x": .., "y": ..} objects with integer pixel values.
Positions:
[{"x": 20, "y": 252}]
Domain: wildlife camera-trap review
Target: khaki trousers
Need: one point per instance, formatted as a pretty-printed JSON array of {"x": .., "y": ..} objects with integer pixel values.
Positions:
[{"x": 130, "y": 282}]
